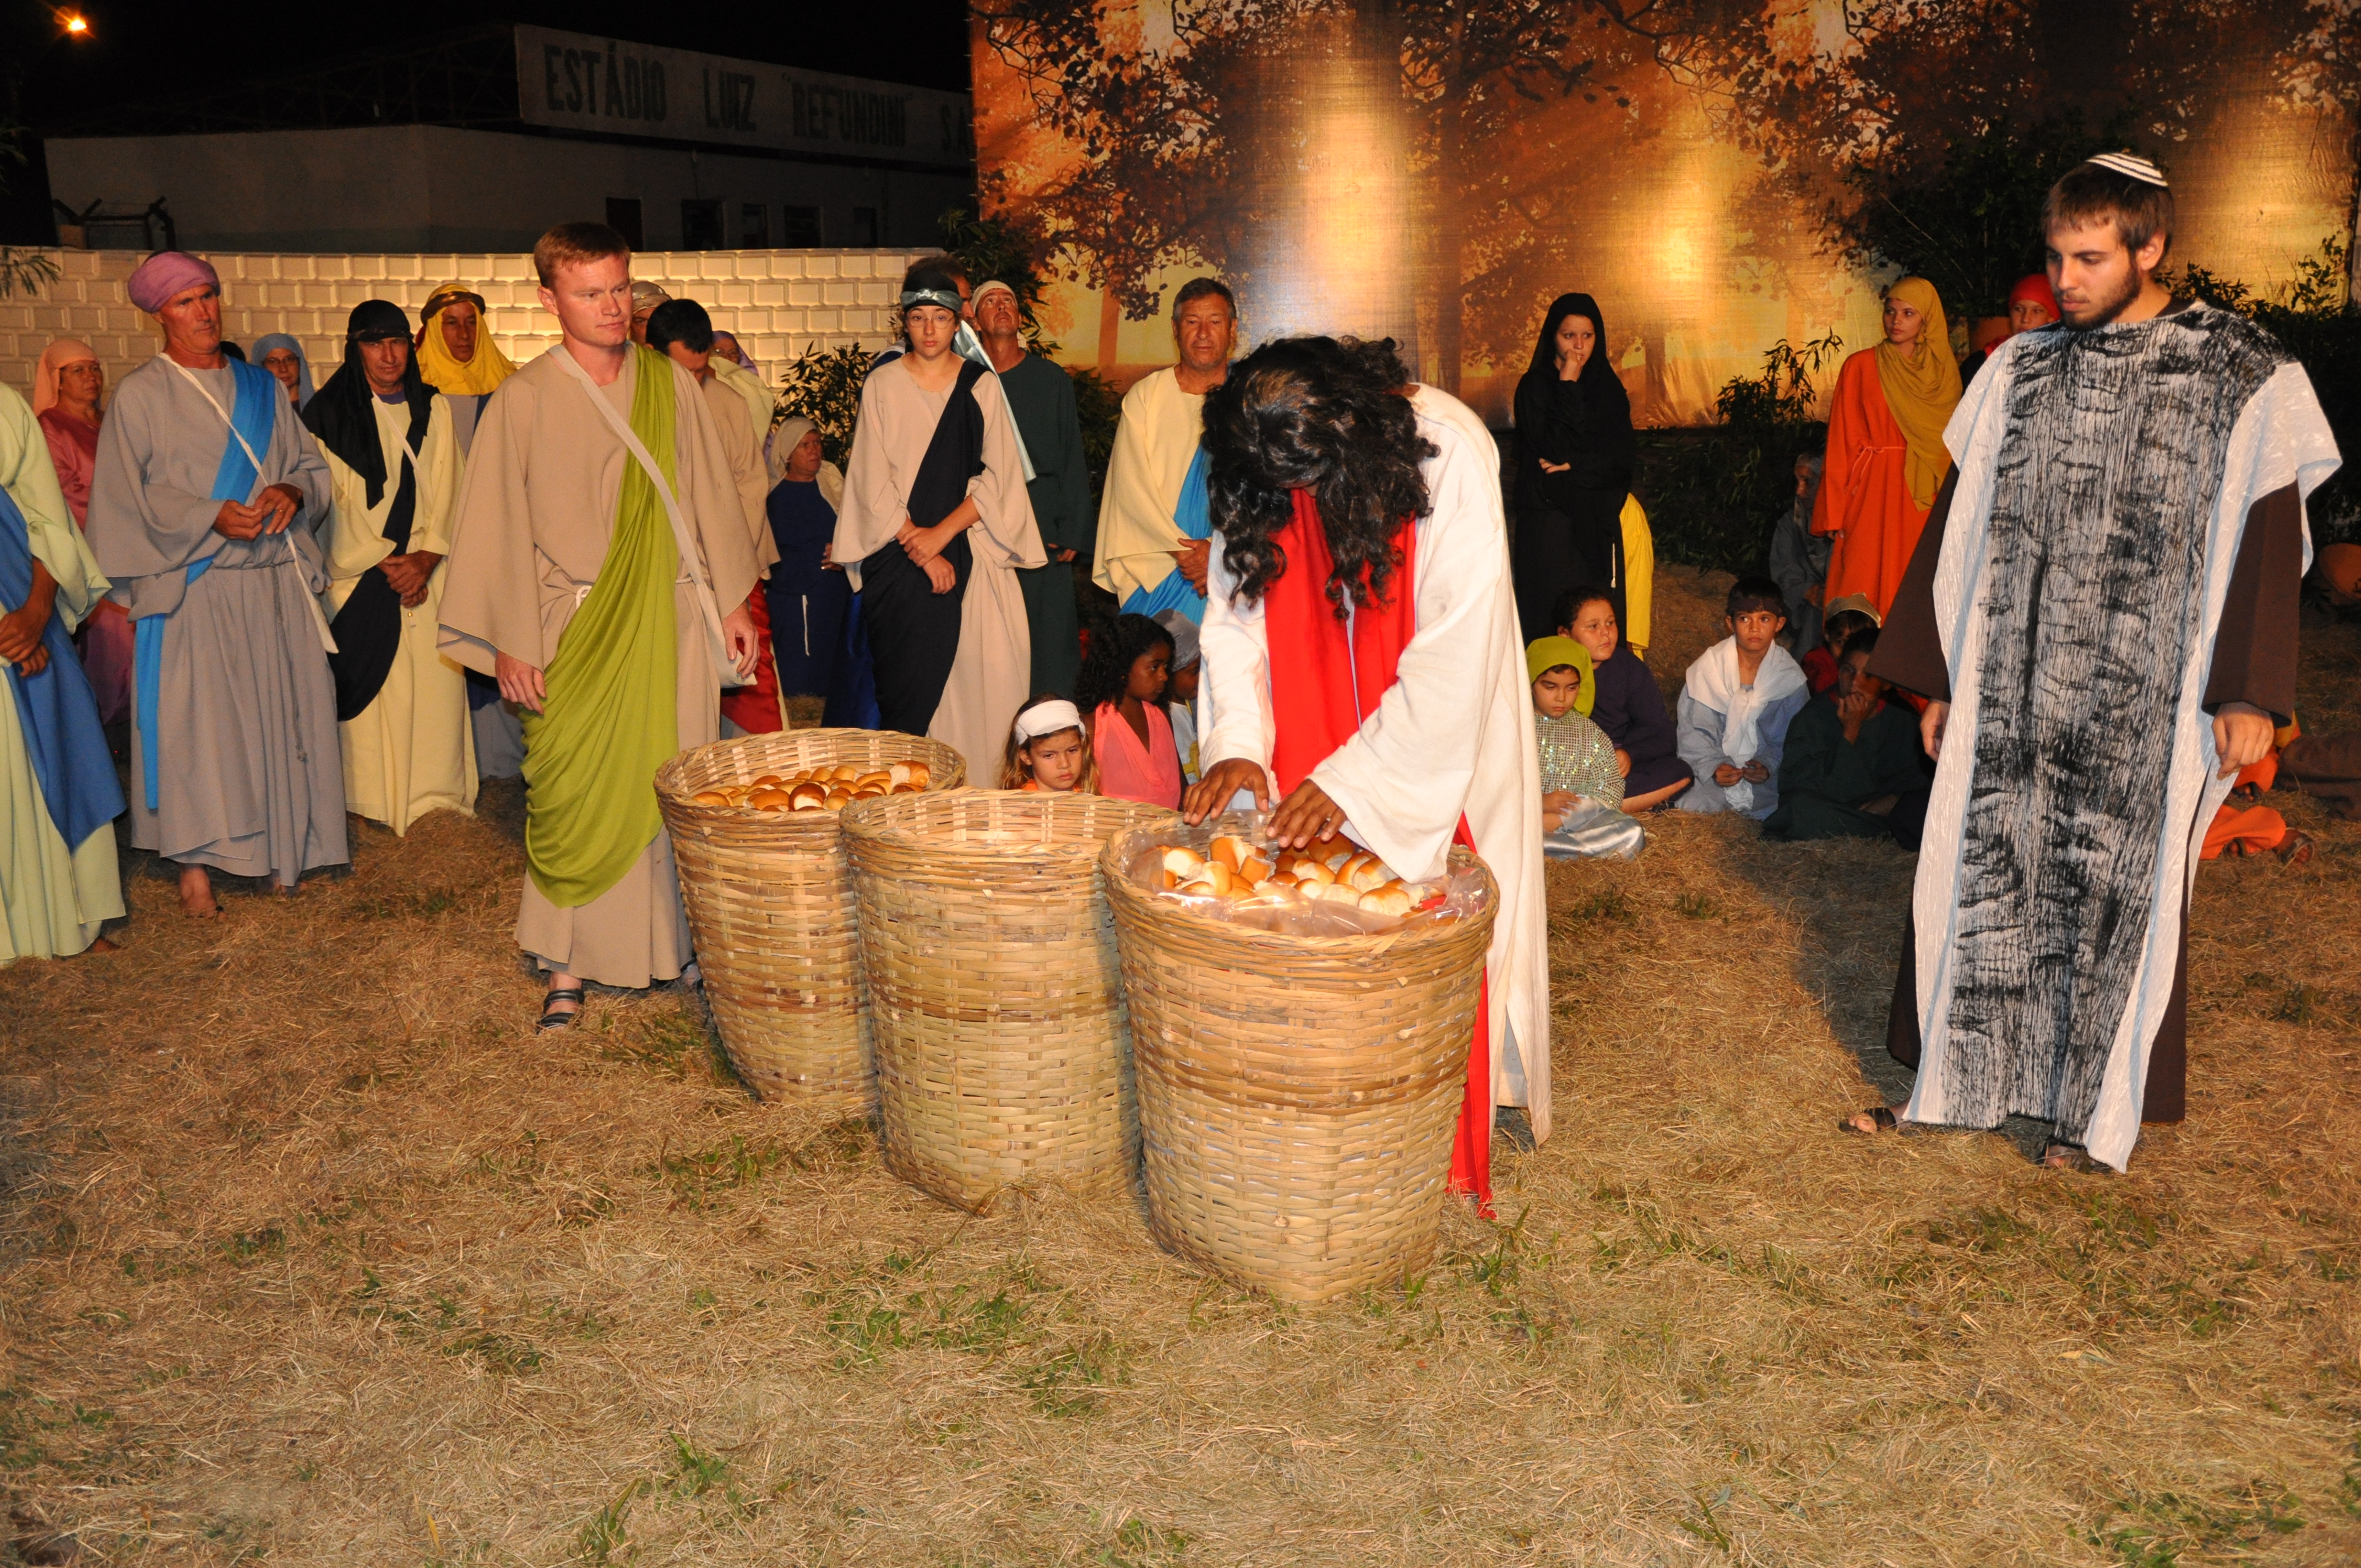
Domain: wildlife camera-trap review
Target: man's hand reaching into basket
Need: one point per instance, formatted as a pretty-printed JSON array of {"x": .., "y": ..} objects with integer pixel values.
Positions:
[{"x": 1210, "y": 796}]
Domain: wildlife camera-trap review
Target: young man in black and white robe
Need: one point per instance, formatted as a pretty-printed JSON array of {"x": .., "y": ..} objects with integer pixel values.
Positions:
[{"x": 2102, "y": 610}]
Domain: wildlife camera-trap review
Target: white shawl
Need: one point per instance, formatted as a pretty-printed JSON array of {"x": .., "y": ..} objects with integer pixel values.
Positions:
[{"x": 1714, "y": 681}]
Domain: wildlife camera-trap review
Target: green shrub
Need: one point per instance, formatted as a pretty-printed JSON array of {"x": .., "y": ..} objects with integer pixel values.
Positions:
[{"x": 1712, "y": 493}]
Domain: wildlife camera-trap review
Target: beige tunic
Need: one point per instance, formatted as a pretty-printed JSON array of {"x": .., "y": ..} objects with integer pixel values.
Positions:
[
  {"x": 411, "y": 750},
  {"x": 536, "y": 511},
  {"x": 748, "y": 472}
]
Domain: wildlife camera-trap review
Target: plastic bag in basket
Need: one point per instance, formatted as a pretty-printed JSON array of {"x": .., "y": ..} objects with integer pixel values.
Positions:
[{"x": 1225, "y": 870}]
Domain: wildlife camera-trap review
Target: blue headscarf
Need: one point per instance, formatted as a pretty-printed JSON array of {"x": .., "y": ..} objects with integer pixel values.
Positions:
[{"x": 269, "y": 341}]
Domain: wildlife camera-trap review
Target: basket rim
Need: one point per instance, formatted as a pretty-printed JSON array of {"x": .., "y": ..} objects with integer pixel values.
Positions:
[
  {"x": 674, "y": 795},
  {"x": 868, "y": 825},
  {"x": 1125, "y": 896}
]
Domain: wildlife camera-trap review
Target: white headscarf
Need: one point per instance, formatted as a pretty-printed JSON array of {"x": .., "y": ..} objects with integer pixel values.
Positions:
[
  {"x": 1713, "y": 681},
  {"x": 788, "y": 435}
]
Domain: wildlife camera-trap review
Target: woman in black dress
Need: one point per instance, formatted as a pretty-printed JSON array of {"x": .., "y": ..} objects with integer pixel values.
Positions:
[{"x": 1574, "y": 468}]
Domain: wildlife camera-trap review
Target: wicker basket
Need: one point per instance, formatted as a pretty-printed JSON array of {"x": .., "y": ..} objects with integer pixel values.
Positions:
[
  {"x": 1297, "y": 1096},
  {"x": 1004, "y": 1053},
  {"x": 770, "y": 905}
]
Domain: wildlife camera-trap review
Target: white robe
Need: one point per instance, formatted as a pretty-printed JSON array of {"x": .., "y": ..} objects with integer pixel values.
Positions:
[
  {"x": 2280, "y": 439},
  {"x": 411, "y": 749},
  {"x": 1452, "y": 736}
]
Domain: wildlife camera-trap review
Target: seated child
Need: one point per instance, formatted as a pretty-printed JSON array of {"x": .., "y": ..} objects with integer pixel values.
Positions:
[
  {"x": 1050, "y": 750},
  {"x": 1627, "y": 706},
  {"x": 1581, "y": 786},
  {"x": 1121, "y": 689},
  {"x": 1181, "y": 695},
  {"x": 1851, "y": 614},
  {"x": 1735, "y": 707},
  {"x": 1853, "y": 766}
]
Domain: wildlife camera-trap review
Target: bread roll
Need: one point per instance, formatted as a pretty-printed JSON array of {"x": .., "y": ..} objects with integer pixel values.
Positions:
[
  {"x": 1366, "y": 872},
  {"x": 709, "y": 797},
  {"x": 1285, "y": 891},
  {"x": 921, "y": 775},
  {"x": 768, "y": 781},
  {"x": 845, "y": 773},
  {"x": 1336, "y": 892},
  {"x": 1232, "y": 852},
  {"x": 1391, "y": 899},
  {"x": 1183, "y": 860},
  {"x": 1213, "y": 879},
  {"x": 1345, "y": 849},
  {"x": 1311, "y": 874},
  {"x": 769, "y": 799},
  {"x": 870, "y": 792},
  {"x": 905, "y": 789},
  {"x": 804, "y": 795},
  {"x": 838, "y": 799},
  {"x": 878, "y": 776},
  {"x": 1255, "y": 868}
]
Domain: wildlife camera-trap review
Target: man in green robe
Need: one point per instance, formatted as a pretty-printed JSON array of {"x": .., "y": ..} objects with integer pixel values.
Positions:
[
  {"x": 1041, "y": 395},
  {"x": 598, "y": 571}
]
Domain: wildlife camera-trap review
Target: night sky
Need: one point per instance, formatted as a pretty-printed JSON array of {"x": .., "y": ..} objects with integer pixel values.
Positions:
[{"x": 144, "y": 49}]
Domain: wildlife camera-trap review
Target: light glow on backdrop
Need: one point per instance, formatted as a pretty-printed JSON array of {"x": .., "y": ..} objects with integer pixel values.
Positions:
[{"x": 1436, "y": 170}]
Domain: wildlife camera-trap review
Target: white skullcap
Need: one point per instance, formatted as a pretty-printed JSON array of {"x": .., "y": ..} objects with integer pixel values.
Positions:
[
  {"x": 2131, "y": 165},
  {"x": 1047, "y": 719},
  {"x": 988, "y": 286}
]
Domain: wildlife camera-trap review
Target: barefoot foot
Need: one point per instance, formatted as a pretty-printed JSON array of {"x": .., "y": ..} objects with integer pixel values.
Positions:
[{"x": 197, "y": 893}]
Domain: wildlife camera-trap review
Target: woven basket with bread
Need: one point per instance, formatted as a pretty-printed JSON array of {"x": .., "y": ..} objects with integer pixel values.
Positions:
[
  {"x": 1298, "y": 1093},
  {"x": 768, "y": 891},
  {"x": 1003, "y": 1047}
]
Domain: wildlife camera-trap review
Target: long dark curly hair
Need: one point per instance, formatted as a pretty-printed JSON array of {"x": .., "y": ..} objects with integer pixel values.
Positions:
[
  {"x": 1107, "y": 673},
  {"x": 1328, "y": 415}
]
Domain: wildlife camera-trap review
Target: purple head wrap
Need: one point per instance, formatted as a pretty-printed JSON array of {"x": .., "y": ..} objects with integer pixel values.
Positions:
[{"x": 165, "y": 274}]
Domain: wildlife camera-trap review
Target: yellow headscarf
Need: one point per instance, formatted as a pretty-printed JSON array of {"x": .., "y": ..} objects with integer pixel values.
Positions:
[
  {"x": 486, "y": 370},
  {"x": 1922, "y": 388},
  {"x": 1545, "y": 653}
]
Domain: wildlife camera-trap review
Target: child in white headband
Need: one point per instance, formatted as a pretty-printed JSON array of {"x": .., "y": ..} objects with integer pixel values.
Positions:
[{"x": 1049, "y": 748}]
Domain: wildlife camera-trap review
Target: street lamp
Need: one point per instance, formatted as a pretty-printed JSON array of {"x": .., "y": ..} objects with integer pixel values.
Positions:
[{"x": 72, "y": 24}]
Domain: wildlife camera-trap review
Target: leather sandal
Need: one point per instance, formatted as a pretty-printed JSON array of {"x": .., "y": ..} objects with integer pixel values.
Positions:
[
  {"x": 2296, "y": 848},
  {"x": 1883, "y": 1117},
  {"x": 555, "y": 1020}
]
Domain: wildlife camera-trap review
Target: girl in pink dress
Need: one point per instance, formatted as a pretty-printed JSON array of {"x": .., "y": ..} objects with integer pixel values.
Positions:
[{"x": 1122, "y": 688}]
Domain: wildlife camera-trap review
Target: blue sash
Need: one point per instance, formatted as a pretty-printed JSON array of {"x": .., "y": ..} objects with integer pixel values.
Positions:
[
  {"x": 254, "y": 416},
  {"x": 1195, "y": 517},
  {"x": 58, "y": 713}
]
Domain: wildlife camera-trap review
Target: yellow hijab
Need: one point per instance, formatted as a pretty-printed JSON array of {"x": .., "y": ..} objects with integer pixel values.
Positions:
[
  {"x": 1922, "y": 388},
  {"x": 486, "y": 371}
]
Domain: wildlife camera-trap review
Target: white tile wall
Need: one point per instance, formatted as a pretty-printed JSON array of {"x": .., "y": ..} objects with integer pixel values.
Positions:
[{"x": 778, "y": 303}]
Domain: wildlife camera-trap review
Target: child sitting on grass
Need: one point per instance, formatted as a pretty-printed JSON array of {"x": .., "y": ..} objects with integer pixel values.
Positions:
[
  {"x": 1581, "y": 786},
  {"x": 1853, "y": 765},
  {"x": 1050, "y": 750},
  {"x": 1846, "y": 616},
  {"x": 1735, "y": 707},
  {"x": 1121, "y": 691},
  {"x": 1626, "y": 704}
]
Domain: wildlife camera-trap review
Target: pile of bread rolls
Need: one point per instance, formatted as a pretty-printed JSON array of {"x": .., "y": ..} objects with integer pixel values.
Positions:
[
  {"x": 819, "y": 789},
  {"x": 1234, "y": 869}
]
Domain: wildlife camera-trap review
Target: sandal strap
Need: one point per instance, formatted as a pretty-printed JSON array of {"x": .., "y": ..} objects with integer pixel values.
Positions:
[{"x": 563, "y": 993}]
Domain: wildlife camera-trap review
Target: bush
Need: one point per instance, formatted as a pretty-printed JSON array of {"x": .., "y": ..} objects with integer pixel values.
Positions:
[
  {"x": 824, "y": 386},
  {"x": 1713, "y": 494}
]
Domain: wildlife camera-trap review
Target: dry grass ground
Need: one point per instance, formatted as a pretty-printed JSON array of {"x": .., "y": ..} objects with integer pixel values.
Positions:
[{"x": 314, "y": 1253}]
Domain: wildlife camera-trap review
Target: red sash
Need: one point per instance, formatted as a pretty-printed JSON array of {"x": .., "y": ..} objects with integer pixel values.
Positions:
[{"x": 1327, "y": 677}]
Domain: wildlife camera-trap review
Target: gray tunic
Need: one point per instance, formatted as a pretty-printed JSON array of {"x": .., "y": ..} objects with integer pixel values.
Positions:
[{"x": 251, "y": 780}]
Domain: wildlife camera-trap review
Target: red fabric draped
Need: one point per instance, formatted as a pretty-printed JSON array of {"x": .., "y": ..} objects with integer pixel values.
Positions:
[{"x": 1327, "y": 677}]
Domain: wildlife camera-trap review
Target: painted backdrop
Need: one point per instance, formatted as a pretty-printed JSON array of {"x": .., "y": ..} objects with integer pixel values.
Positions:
[{"x": 1438, "y": 169}]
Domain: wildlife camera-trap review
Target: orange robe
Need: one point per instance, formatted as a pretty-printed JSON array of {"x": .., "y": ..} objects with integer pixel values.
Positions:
[{"x": 1866, "y": 491}]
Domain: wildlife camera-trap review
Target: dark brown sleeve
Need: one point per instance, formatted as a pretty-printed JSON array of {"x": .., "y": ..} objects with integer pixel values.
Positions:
[
  {"x": 2253, "y": 655},
  {"x": 1909, "y": 647}
]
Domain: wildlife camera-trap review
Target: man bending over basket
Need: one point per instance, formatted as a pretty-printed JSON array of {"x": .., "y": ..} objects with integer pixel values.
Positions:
[{"x": 1360, "y": 643}]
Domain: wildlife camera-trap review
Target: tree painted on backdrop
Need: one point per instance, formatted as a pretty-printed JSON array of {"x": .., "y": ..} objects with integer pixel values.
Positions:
[{"x": 1157, "y": 136}]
